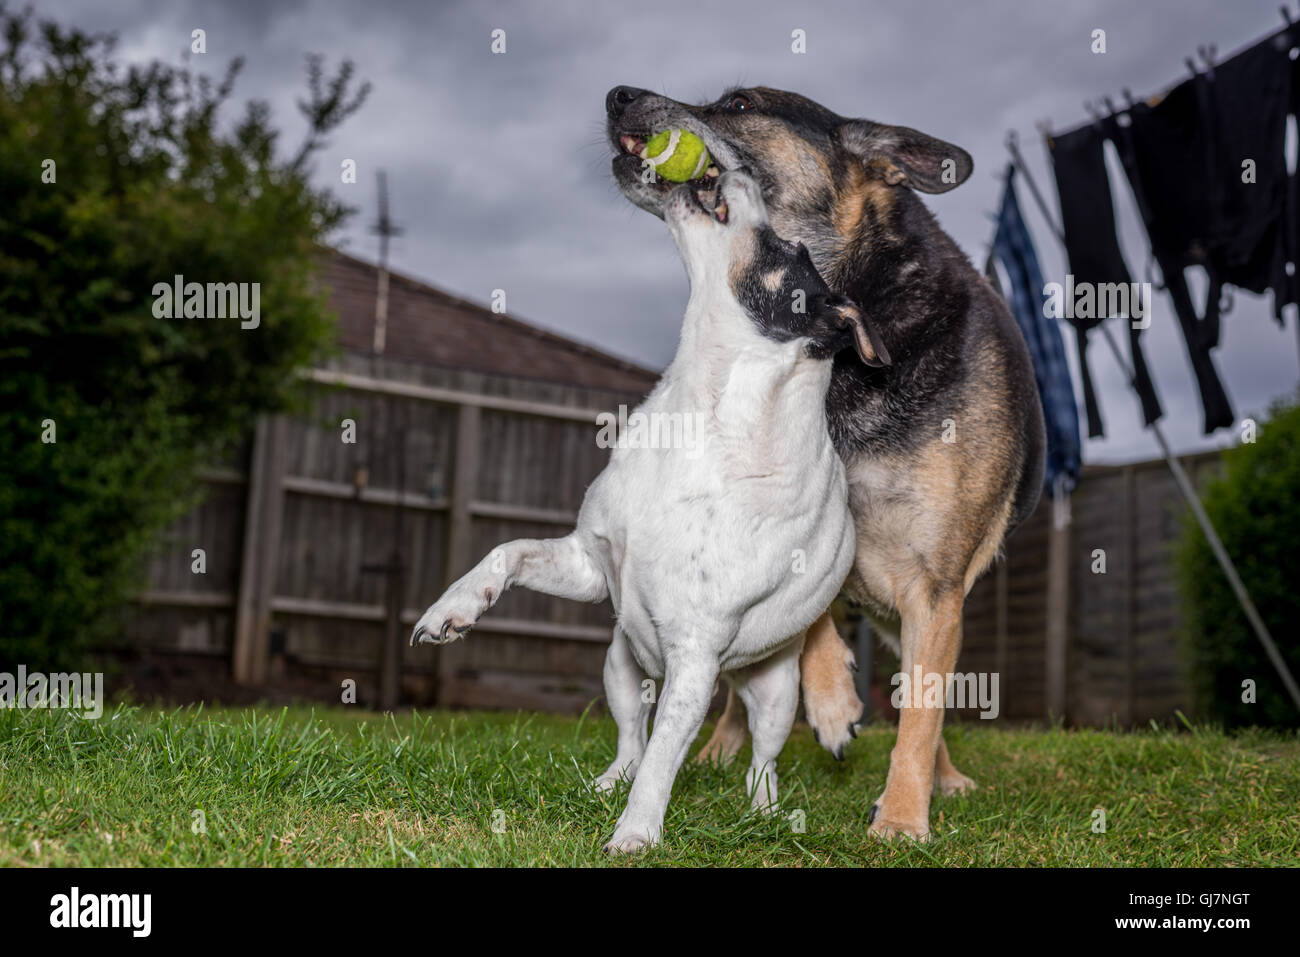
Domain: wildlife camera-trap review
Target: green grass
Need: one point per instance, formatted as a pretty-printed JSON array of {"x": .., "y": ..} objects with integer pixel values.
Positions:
[{"x": 336, "y": 787}]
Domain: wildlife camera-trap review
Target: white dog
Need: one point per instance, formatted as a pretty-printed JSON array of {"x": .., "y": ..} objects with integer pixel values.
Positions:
[{"x": 716, "y": 558}]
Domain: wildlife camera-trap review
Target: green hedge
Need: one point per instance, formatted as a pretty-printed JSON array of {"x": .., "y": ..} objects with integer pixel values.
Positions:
[
  {"x": 1255, "y": 507},
  {"x": 147, "y": 181}
]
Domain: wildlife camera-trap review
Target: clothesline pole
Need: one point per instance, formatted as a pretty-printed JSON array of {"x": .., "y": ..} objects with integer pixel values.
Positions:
[{"x": 1181, "y": 478}]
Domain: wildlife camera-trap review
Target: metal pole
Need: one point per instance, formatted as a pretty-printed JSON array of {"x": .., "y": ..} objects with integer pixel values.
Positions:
[{"x": 1181, "y": 478}]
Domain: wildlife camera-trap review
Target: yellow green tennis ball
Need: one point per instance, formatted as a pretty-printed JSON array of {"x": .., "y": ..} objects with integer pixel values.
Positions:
[{"x": 677, "y": 155}]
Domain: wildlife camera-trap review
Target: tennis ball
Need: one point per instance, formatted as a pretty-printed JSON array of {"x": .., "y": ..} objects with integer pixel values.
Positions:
[{"x": 676, "y": 155}]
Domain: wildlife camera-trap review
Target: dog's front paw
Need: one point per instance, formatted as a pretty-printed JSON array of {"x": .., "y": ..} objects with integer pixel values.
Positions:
[
  {"x": 630, "y": 840},
  {"x": 453, "y": 615},
  {"x": 834, "y": 717},
  {"x": 886, "y": 827}
]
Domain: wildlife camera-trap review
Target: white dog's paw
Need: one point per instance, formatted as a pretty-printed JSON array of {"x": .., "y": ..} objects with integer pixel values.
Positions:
[
  {"x": 454, "y": 614},
  {"x": 762, "y": 791},
  {"x": 614, "y": 775},
  {"x": 631, "y": 839}
]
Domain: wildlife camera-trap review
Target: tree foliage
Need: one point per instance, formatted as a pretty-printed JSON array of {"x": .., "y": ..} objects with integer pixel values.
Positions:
[
  {"x": 1255, "y": 508},
  {"x": 113, "y": 179}
]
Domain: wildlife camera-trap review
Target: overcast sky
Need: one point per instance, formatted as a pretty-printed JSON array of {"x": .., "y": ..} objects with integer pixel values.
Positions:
[{"x": 499, "y": 171}]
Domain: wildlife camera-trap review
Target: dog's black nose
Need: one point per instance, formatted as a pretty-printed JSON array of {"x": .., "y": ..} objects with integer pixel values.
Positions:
[{"x": 620, "y": 98}]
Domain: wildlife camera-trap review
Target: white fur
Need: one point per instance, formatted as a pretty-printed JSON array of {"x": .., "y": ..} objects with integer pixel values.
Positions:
[{"x": 716, "y": 562}]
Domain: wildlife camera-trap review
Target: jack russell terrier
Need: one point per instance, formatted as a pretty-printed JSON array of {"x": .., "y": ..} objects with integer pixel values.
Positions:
[{"x": 717, "y": 559}]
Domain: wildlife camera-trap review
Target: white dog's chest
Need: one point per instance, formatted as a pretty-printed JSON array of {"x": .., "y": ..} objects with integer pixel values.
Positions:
[{"x": 737, "y": 539}]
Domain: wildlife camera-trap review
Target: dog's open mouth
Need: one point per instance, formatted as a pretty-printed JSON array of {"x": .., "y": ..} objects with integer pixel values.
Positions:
[
  {"x": 633, "y": 147},
  {"x": 711, "y": 202}
]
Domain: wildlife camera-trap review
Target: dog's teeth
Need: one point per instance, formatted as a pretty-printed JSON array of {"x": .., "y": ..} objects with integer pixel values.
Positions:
[{"x": 711, "y": 172}]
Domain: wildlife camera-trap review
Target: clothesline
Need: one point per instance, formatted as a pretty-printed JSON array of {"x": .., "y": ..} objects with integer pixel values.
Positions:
[{"x": 1181, "y": 478}]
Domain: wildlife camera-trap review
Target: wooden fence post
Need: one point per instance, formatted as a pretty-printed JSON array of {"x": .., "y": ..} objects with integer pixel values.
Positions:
[
  {"x": 262, "y": 519},
  {"x": 1129, "y": 615},
  {"x": 1002, "y": 647},
  {"x": 1058, "y": 614},
  {"x": 460, "y": 519}
]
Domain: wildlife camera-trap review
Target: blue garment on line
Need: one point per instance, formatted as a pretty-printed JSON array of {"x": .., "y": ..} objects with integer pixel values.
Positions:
[{"x": 1015, "y": 249}]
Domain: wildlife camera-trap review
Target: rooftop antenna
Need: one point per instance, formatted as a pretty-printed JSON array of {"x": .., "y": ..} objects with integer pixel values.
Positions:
[{"x": 386, "y": 229}]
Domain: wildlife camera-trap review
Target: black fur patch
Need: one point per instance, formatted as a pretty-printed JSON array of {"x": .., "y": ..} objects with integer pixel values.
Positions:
[{"x": 799, "y": 306}]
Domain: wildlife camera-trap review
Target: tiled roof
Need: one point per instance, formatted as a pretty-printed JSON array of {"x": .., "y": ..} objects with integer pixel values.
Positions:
[{"x": 426, "y": 324}]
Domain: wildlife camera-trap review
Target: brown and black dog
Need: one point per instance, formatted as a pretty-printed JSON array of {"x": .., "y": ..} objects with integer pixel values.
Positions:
[{"x": 943, "y": 449}]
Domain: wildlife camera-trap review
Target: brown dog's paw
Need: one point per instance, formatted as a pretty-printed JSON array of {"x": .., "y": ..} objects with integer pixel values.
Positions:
[
  {"x": 888, "y": 828},
  {"x": 723, "y": 746},
  {"x": 833, "y": 710},
  {"x": 952, "y": 784}
]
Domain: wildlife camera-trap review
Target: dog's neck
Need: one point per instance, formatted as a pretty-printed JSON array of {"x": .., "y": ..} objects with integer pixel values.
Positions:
[{"x": 726, "y": 365}]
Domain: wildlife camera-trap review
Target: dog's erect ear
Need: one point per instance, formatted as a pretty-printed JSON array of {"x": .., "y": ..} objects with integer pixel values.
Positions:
[
  {"x": 866, "y": 340},
  {"x": 907, "y": 157}
]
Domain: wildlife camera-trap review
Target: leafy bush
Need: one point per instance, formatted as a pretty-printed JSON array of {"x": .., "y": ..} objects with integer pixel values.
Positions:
[
  {"x": 1255, "y": 507},
  {"x": 112, "y": 180}
]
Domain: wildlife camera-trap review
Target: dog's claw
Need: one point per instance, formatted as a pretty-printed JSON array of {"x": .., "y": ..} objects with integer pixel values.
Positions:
[
  {"x": 871, "y": 816},
  {"x": 853, "y": 730}
]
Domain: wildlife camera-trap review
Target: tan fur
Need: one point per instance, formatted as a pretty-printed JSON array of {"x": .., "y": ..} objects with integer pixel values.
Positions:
[
  {"x": 931, "y": 640},
  {"x": 729, "y": 735},
  {"x": 744, "y": 247},
  {"x": 860, "y": 193},
  {"x": 804, "y": 170},
  {"x": 830, "y": 696}
]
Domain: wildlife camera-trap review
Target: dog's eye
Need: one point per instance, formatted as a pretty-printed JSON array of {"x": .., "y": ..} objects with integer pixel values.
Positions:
[{"x": 740, "y": 102}]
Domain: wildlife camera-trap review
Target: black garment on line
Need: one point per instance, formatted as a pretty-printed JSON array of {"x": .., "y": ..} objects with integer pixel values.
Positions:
[
  {"x": 1088, "y": 221},
  {"x": 1167, "y": 151},
  {"x": 1250, "y": 96},
  {"x": 1184, "y": 158}
]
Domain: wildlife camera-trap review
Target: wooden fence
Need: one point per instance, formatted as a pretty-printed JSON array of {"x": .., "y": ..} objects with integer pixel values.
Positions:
[
  {"x": 1119, "y": 628},
  {"x": 321, "y": 554}
]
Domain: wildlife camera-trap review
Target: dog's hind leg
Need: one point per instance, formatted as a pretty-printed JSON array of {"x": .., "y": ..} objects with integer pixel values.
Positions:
[
  {"x": 770, "y": 690},
  {"x": 830, "y": 697},
  {"x": 947, "y": 779},
  {"x": 630, "y": 707},
  {"x": 729, "y": 736},
  {"x": 554, "y": 566}
]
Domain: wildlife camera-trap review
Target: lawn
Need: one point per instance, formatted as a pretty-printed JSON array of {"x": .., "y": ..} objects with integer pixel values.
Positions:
[{"x": 193, "y": 786}]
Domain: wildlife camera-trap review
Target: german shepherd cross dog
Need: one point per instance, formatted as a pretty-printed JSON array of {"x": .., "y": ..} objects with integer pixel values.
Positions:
[{"x": 943, "y": 449}]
